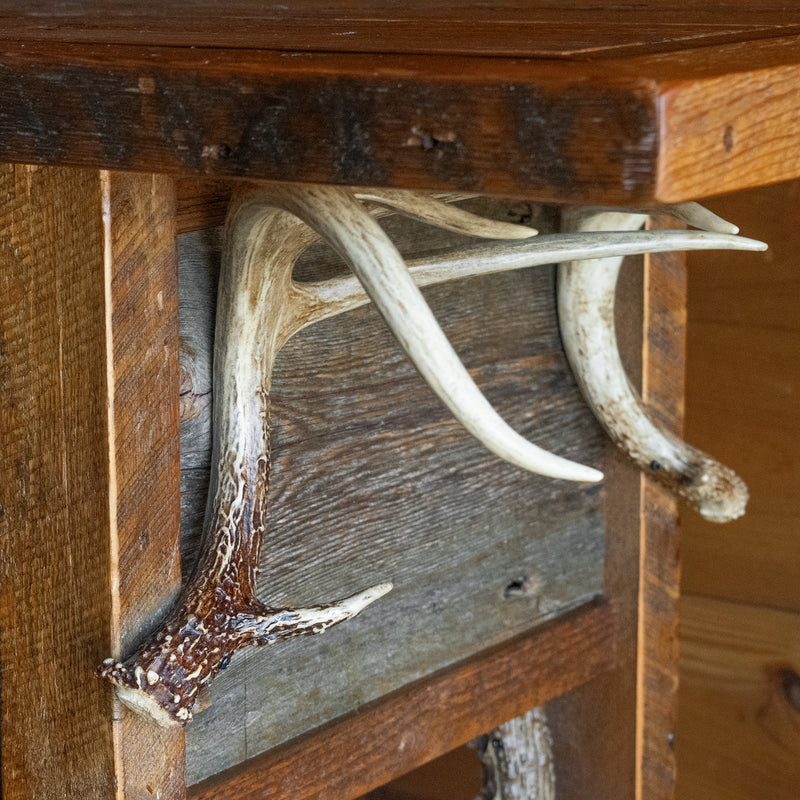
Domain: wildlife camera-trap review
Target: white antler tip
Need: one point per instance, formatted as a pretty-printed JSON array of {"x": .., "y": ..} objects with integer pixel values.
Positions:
[
  {"x": 361, "y": 600},
  {"x": 594, "y": 475}
]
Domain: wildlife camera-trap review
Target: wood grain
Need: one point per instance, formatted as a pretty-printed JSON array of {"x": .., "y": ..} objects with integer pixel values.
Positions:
[
  {"x": 612, "y": 736},
  {"x": 659, "y": 559},
  {"x": 344, "y": 119},
  {"x": 594, "y": 726},
  {"x": 88, "y": 544},
  {"x": 506, "y": 28},
  {"x": 424, "y": 720},
  {"x": 632, "y": 128},
  {"x": 55, "y": 615},
  {"x": 739, "y": 734},
  {"x": 143, "y": 297},
  {"x": 743, "y": 381},
  {"x": 366, "y": 460}
]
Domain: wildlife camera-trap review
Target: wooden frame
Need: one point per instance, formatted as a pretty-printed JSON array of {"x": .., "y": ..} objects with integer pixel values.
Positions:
[
  {"x": 88, "y": 316},
  {"x": 135, "y": 252}
]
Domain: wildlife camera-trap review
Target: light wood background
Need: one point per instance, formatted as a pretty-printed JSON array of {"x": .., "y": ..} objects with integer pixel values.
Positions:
[{"x": 738, "y": 732}]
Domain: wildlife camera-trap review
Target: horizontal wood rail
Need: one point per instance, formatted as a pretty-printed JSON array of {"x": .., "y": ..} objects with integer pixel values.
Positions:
[
  {"x": 426, "y": 719},
  {"x": 641, "y": 127}
]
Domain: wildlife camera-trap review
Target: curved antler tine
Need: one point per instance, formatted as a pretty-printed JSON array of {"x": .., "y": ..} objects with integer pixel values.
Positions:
[
  {"x": 436, "y": 212},
  {"x": 345, "y": 224},
  {"x": 586, "y": 315},
  {"x": 691, "y": 213},
  {"x": 698, "y": 217}
]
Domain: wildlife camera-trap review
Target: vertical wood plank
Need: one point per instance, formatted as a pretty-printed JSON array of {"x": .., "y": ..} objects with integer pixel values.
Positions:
[
  {"x": 594, "y": 726},
  {"x": 659, "y": 571},
  {"x": 54, "y": 546},
  {"x": 142, "y": 297},
  {"x": 614, "y": 736},
  {"x": 89, "y": 484}
]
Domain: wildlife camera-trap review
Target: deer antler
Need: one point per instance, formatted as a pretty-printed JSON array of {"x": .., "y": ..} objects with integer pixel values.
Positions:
[
  {"x": 586, "y": 316},
  {"x": 259, "y": 308}
]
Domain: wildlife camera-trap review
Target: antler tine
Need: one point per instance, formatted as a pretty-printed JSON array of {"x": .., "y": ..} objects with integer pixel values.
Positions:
[
  {"x": 345, "y": 224},
  {"x": 586, "y": 315},
  {"x": 435, "y": 211},
  {"x": 328, "y": 298}
]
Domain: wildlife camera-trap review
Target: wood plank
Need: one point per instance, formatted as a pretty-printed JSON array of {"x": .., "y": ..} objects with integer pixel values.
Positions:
[
  {"x": 613, "y": 736},
  {"x": 710, "y": 116},
  {"x": 595, "y": 753},
  {"x": 740, "y": 702},
  {"x": 743, "y": 311},
  {"x": 637, "y": 129},
  {"x": 366, "y": 460},
  {"x": 659, "y": 561},
  {"x": 425, "y": 719},
  {"x": 142, "y": 297},
  {"x": 526, "y": 128},
  {"x": 728, "y": 117},
  {"x": 55, "y": 615},
  {"x": 88, "y": 543},
  {"x": 506, "y": 28}
]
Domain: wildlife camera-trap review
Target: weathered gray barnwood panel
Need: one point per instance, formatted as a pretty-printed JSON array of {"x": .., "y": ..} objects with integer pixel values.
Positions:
[{"x": 373, "y": 481}]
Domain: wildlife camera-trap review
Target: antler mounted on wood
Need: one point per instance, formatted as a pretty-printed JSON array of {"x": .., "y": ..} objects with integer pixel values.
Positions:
[
  {"x": 586, "y": 316},
  {"x": 259, "y": 308}
]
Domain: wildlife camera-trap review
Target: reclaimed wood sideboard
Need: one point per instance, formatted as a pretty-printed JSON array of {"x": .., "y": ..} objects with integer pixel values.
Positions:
[{"x": 124, "y": 128}]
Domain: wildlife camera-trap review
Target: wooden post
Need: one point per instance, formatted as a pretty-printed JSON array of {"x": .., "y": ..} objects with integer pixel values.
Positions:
[{"x": 89, "y": 481}]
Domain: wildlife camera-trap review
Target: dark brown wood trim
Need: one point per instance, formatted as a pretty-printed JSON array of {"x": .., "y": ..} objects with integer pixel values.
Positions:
[
  {"x": 658, "y": 643},
  {"x": 544, "y": 129},
  {"x": 639, "y": 129},
  {"x": 357, "y": 753}
]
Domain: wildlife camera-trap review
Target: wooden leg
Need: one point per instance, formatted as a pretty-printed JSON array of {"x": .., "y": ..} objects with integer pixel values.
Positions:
[
  {"x": 89, "y": 483},
  {"x": 613, "y": 737}
]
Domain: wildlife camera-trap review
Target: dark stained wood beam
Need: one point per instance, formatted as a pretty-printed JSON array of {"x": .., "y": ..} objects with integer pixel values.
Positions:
[{"x": 639, "y": 129}]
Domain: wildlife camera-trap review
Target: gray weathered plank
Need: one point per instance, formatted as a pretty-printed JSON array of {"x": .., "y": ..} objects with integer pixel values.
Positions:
[{"x": 373, "y": 481}]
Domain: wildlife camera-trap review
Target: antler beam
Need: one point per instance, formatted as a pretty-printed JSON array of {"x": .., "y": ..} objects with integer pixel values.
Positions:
[{"x": 586, "y": 296}]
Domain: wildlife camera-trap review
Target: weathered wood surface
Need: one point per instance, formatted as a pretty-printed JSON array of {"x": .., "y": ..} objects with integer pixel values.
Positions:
[
  {"x": 739, "y": 734},
  {"x": 633, "y": 128},
  {"x": 366, "y": 749},
  {"x": 144, "y": 481},
  {"x": 613, "y": 736},
  {"x": 55, "y": 614},
  {"x": 373, "y": 481},
  {"x": 659, "y": 559},
  {"x": 506, "y": 27},
  {"x": 88, "y": 479},
  {"x": 739, "y": 717}
]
